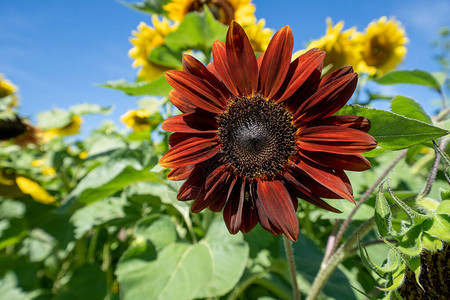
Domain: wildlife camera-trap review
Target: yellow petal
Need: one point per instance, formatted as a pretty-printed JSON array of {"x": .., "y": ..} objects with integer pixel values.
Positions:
[{"x": 32, "y": 188}]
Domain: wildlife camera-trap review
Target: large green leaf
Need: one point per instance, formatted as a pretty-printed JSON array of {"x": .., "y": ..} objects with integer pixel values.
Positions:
[
  {"x": 164, "y": 56},
  {"x": 179, "y": 272},
  {"x": 229, "y": 255},
  {"x": 411, "y": 77},
  {"x": 198, "y": 30},
  {"x": 54, "y": 118},
  {"x": 10, "y": 290},
  {"x": 160, "y": 230},
  {"x": 409, "y": 108},
  {"x": 109, "y": 178},
  {"x": 157, "y": 87},
  {"x": 393, "y": 131},
  {"x": 88, "y": 108}
]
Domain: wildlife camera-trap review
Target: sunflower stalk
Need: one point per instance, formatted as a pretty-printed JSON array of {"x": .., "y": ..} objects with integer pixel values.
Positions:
[
  {"x": 434, "y": 168},
  {"x": 291, "y": 263},
  {"x": 362, "y": 200}
]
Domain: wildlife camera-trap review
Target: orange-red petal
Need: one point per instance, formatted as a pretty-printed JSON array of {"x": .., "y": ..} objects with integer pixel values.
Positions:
[
  {"x": 351, "y": 162},
  {"x": 349, "y": 121},
  {"x": 190, "y": 123},
  {"x": 191, "y": 151},
  {"x": 335, "y": 139},
  {"x": 277, "y": 204},
  {"x": 241, "y": 60},
  {"x": 275, "y": 64}
]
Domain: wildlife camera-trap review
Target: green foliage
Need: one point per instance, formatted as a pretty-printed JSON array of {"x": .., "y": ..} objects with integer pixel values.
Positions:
[
  {"x": 412, "y": 77},
  {"x": 157, "y": 87},
  {"x": 149, "y": 6},
  {"x": 393, "y": 131}
]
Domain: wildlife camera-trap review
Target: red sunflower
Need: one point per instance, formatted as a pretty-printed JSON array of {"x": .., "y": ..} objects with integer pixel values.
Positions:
[{"x": 256, "y": 134}]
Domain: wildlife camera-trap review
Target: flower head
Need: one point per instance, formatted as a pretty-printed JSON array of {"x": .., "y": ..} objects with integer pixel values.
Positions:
[
  {"x": 137, "y": 119},
  {"x": 340, "y": 49},
  {"x": 382, "y": 46},
  {"x": 255, "y": 134},
  {"x": 223, "y": 10},
  {"x": 6, "y": 87},
  {"x": 146, "y": 39},
  {"x": 70, "y": 129}
]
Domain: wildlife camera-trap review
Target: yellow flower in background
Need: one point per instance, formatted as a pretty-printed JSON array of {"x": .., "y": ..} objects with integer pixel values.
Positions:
[
  {"x": 258, "y": 35},
  {"x": 340, "y": 49},
  {"x": 32, "y": 188},
  {"x": 83, "y": 155},
  {"x": 223, "y": 10},
  {"x": 15, "y": 186},
  {"x": 46, "y": 170},
  {"x": 70, "y": 129},
  {"x": 6, "y": 87},
  {"x": 137, "y": 119},
  {"x": 382, "y": 46},
  {"x": 145, "y": 39}
]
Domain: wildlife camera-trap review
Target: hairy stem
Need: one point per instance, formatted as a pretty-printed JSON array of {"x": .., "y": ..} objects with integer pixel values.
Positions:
[
  {"x": 291, "y": 264},
  {"x": 434, "y": 168},
  {"x": 364, "y": 198}
]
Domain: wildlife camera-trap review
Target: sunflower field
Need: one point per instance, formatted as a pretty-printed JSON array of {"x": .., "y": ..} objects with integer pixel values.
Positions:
[{"x": 248, "y": 169}]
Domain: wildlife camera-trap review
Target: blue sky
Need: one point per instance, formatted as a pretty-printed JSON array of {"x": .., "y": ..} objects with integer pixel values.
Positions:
[{"x": 55, "y": 50}]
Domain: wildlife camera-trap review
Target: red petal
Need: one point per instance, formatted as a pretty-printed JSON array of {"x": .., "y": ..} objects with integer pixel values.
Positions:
[
  {"x": 221, "y": 66},
  {"x": 200, "y": 93},
  {"x": 213, "y": 188},
  {"x": 241, "y": 60},
  {"x": 350, "y": 121},
  {"x": 327, "y": 100},
  {"x": 190, "y": 123},
  {"x": 336, "y": 74},
  {"x": 321, "y": 181},
  {"x": 351, "y": 162},
  {"x": 192, "y": 66},
  {"x": 191, "y": 151},
  {"x": 300, "y": 70},
  {"x": 275, "y": 64},
  {"x": 180, "y": 173},
  {"x": 191, "y": 188},
  {"x": 181, "y": 102},
  {"x": 335, "y": 139},
  {"x": 305, "y": 194},
  {"x": 277, "y": 204}
]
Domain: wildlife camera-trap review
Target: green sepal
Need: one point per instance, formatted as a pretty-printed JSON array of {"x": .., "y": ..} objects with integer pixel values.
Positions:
[
  {"x": 431, "y": 243},
  {"x": 383, "y": 214},
  {"x": 396, "y": 279},
  {"x": 414, "y": 265}
]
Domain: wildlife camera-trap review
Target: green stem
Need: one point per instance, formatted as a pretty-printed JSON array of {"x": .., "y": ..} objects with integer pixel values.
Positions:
[
  {"x": 342, "y": 253},
  {"x": 238, "y": 290},
  {"x": 93, "y": 245},
  {"x": 291, "y": 264},
  {"x": 106, "y": 265}
]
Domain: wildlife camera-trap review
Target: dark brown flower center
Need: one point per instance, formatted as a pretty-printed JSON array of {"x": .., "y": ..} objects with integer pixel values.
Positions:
[
  {"x": 221, "y": 9},
  {"x": 256, "y": 137},
  {"x": 380, "y": 50}
]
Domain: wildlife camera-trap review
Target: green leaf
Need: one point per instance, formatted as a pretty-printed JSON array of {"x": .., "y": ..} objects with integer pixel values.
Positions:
[
  {"x": 368, "y": 262},
  {"x": 445, "y": 196},
  {"x": 198, "y": 30},
  {"x": 440, "y": 77},
  {"x": 414, "y": 265},
  {"x": 393, "y": 131},
  {"x": 9, "y": 288},
  {"x": 444, "y": 207},
  {"x": 431, "y": 243},
  {"x": 382, "y": 214},
  {"x": 157, "y": 87},
  {"x": 396, "y": 280},
  {"x": 88, "y": 108},
  {"x": 165, "y": 56},
  {"x": 149, "y": 6},
  {"x": 229, "y": 255},
  {"x": 439, "y": 227},
  {"x": 88, "y": 282},
  {"x": 411, "y": 242},
  {"x": 54, "y": 118},
  {"x": 179, "y": 272},
  {"x": 160, "y": 230},
  {"x": 112, "y": 176},
  {"x": 412, "y": 77},
  {"x": 409, "y": 108}
]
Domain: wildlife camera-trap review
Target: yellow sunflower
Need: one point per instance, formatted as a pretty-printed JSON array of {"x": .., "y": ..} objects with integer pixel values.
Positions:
[
  {"x": 145, "y": 39},
  {"x": 382, "y": 46},
  {"x": 223, "y": 10},
  {"x": 45, "y": 169},
  {"x": 341, "y": 50},
  {"x": 70, "y": 129},
  {"x": 258, "y": 35},
  {"x": 137, "y": 119}
]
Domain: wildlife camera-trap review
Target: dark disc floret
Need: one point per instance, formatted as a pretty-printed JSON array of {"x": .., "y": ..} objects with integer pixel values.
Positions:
[{"x": 256, "y": 137}]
